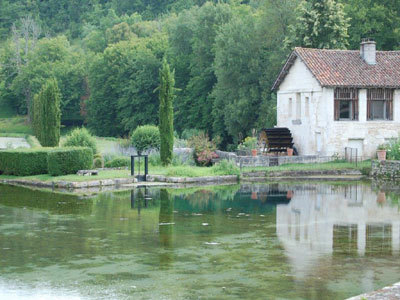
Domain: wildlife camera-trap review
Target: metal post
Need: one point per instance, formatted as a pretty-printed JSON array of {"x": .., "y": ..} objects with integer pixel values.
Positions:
[
  {"x": 132, "y": 165},
  {"x": 146, "y": 167},
  {"x": 356, "y": 156},
  {"x": 139, "y": 166}
]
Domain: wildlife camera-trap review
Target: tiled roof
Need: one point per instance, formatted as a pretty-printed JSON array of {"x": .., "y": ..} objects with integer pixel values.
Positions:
[{"x": 346, "y": 68}]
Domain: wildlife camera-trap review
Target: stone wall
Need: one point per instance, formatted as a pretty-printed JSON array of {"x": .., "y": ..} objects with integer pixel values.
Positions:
[
  {"x": 389, "y": 169},
  {"x": 267, "y": 161}
]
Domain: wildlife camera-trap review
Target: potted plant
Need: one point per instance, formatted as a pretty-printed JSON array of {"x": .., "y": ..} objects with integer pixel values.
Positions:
[
  {"x": 289, "y": 151},
  {"x": 381, "y": 152},
  {"x": 249, "y": 145}
]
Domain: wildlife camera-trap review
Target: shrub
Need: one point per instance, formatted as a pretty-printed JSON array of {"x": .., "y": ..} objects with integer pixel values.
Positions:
[
  {"x": 98, "y": 163},
  {"x": 248, "y": 144},
  {"x": 203, "y": 149},
  {"x": 393, "y": 150},
  {"x": 65, "y": 161},
  {"x": 118, "y": 162},
  {"x": 24, "y": 162},
  {"x": 225, "y": 167},
  {"x": 145, "y": 138},
  {"x": 80, "y": 137}
]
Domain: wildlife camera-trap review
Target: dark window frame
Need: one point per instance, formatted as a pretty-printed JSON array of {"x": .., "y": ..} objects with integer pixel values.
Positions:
[
  {"x": 380, "y": 94},
  {"x": 347, "y": 94}
]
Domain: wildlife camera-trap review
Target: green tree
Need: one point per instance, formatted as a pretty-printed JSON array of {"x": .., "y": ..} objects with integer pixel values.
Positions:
[
  {"x": 379, "y": 20},
  {"x": 166, "y": 113},
  {"x": 122, "y": 81},
  {"x": 248, "y": 55},
  {"x": 145, "y": 138},
  {"x": 47, "y": 114},
  {"x": 194, "y": 108},
  {"x": 319, "y": 24},
  {"x": 53, "y": 58}
]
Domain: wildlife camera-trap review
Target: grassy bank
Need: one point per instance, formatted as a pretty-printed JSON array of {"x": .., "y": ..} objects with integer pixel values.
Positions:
[
  {"x": 106, "y": 174},
  {"x": 192, "y": 171},
  {"x": 180, "y": 171}
]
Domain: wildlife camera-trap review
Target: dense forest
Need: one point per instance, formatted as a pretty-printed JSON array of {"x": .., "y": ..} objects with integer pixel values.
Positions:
[{"x": 106, "y": 56}]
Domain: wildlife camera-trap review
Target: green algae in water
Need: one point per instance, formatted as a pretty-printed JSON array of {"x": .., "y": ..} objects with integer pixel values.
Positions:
[{"x": 283, "y": 241}]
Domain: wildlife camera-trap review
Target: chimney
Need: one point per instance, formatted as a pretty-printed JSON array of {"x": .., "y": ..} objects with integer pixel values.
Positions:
[{"x": 368, "y": 51}]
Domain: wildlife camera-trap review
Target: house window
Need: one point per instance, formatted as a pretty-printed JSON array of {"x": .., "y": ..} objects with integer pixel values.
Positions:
[
  {"x": 298, "y": 106},
  {"x": 346, "y": 104},
  {"x": 380, "y": 104},
  {"x": 307, "y": 106}
]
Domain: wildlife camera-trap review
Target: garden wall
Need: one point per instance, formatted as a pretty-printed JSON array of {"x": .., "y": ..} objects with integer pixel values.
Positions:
[
  {"x": 266, "y": 161},
  {"x": 389, "y": 169}
]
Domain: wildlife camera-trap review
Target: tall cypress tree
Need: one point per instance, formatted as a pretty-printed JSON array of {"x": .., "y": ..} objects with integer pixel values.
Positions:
[
  {"x": 166, "y": 125},
  {"x": 47, "y": 114}
]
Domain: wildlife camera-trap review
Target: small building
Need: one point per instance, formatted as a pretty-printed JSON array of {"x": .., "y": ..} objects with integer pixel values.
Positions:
[{"x": 333, "y": 99}]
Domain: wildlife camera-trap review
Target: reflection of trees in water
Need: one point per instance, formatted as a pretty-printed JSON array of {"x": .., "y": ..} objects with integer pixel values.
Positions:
[
  {"x": 166, "y": 226},
  {"x": 235, "y": 197},
  {"x": 56, "y": 203},
  {"x": 205, "y": 197}
]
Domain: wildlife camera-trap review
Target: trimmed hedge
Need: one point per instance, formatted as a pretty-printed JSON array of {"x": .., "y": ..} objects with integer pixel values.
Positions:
[
  {"x": 66, "y": 161},
  {"x": 24, "y": 162},
  {"x": 118, "y": 162}
]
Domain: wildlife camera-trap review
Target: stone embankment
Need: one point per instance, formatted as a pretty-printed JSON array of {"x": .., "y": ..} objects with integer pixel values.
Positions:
[
  {"x": 388, "y": 293},
  {"x": 198, "y": 180},
  {"x": 70, "y": 184},
  {"x": 347, "y": 174},
  {"x": 389, "y": 169},
  {"x": 117, "y": 182}
]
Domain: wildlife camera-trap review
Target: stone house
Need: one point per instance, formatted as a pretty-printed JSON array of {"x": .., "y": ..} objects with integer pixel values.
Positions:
[{"x": 332, "y": 99}]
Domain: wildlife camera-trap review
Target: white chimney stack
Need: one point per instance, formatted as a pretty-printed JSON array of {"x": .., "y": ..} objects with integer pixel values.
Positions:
[{"x": 368, "y": 51}]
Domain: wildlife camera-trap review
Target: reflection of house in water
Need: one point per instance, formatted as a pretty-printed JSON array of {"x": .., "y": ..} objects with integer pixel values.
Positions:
[
  {"x": 272, "y": 194},
  {"x": 335, "y": 220}
]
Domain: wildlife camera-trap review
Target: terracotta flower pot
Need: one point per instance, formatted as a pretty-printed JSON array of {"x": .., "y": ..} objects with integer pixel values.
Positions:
[
  {"x": 254, "y": 152},
  {"x": 381, "y": 197},
  {"x": 289, "y": 151},
  {"x": 381, "y": 155},
  {"x": 254, "y": 196}
]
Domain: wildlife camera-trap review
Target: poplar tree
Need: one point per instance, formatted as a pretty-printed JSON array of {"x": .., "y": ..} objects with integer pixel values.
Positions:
[
  {"x": 166, "y": 114},
  {"x": 47, "y": 114}
]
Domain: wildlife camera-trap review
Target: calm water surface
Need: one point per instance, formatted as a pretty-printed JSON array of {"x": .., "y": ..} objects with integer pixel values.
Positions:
[{"x": 286, "y": 241}]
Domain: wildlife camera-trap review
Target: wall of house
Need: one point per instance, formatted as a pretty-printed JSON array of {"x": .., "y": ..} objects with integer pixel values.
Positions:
[
  {"x": 362, "y": 134},
  {"x": 303, "y": 121},
  {"x": 312, "y": 121}
]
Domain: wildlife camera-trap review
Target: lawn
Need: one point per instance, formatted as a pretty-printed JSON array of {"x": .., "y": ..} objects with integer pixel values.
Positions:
[
  {"x": 106, "y": 174},
  {"x": 173, "y": 171},
  {"x": 191, "y": 171},
  {"x": 14, "y": 125}
]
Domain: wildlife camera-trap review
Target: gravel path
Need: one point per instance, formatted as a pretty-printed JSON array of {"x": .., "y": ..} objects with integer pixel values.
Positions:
[
  {"x": 8, "y": 142},
  {"x": 388, "y": 293}
]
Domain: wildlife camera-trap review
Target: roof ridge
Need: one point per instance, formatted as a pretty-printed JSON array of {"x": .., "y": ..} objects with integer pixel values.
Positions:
[
  {"x": 338, "y": 67},
  {"x": 344, "y": 50}
]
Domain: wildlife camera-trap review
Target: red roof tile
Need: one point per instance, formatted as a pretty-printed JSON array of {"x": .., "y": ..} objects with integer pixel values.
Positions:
[{"x": 346, "y": 68}]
